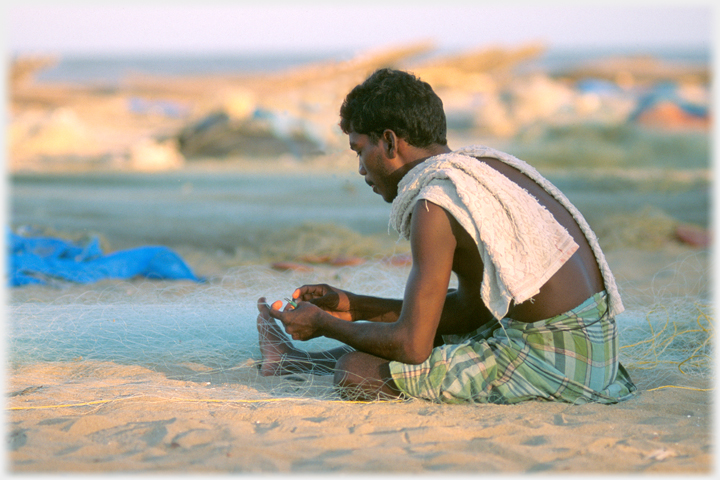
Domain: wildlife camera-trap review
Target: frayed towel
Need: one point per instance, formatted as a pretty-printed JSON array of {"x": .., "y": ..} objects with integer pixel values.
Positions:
[{"x": 520, "y": 242}]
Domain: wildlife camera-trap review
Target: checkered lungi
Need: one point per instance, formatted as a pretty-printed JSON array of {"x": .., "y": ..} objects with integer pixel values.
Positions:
[{"x": 572, "y": 357}]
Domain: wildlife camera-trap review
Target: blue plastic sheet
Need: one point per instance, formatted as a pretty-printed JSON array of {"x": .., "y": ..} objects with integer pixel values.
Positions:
[{"x": 35, "y": 260}]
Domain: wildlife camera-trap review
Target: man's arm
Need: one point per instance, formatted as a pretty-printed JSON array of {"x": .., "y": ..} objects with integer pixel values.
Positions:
[
  {"x": 410, "y": 338},
  {"x": 349, "y": 306}
]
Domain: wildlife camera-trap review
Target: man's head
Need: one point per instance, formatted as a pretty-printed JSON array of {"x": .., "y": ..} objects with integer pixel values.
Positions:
[
  {"x": 393, "y": 121},
  {"x": 397, "y": 101}
]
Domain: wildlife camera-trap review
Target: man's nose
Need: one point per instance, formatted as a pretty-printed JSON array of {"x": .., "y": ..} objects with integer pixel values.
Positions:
[{"x": 361, "y": 169}]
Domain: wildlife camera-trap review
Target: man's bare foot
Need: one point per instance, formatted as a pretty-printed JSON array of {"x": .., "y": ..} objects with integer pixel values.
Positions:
[{"x": 278, "y": 354}]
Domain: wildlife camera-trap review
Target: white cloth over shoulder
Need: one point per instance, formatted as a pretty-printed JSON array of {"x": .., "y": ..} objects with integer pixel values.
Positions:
[{"x": 520, "y": 242}]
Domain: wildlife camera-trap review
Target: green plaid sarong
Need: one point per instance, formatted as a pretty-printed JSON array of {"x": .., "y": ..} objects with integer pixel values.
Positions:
[{"x": 572, "y": 357}]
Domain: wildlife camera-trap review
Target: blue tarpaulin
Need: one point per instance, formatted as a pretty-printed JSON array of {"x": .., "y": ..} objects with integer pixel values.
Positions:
[{"x": 35, "y": 260}]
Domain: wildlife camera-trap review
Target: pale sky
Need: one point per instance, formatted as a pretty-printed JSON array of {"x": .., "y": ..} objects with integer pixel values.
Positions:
[{"x": 225, "y": 27}]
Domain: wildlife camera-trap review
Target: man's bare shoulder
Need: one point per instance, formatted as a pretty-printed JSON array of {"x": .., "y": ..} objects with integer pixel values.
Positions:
[
  {"x": 426, "y": 214},
  {"x": 431, "y": 228},
  {"x": 436, "y": 232}
]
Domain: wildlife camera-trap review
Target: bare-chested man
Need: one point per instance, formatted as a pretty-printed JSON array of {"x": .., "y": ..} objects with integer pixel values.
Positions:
[{"x": 532, "y": 316}]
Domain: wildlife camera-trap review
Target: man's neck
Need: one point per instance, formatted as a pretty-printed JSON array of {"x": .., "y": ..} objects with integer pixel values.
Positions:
[{"x": 422, "y": 154}]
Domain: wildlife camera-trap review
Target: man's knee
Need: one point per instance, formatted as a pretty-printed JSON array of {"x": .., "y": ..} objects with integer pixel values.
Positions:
[
  {"x": 361, "y": 376},
  {"x": 346, "y": 370}
]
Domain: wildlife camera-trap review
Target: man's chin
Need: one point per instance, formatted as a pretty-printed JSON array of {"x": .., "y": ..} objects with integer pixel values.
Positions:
[
  {"x": 386, "y": 196},
  {"x": 389, "y": 199}
]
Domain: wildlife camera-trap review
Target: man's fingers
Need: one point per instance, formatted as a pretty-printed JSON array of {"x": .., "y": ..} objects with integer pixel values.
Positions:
[
  {"x": 262, "y": 303},
  {"x": 272, "y": 310},
  {"x": 308, "y": 292}
]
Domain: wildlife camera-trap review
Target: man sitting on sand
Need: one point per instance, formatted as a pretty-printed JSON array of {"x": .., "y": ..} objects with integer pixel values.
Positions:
[{"x": 533, "y": 313}]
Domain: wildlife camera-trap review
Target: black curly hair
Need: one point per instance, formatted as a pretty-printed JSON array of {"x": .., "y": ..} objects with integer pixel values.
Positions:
[{"x": 399, "y": 101}]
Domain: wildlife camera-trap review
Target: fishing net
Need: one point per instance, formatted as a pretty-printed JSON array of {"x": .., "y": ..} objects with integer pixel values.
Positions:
[
  {"x": 195, "y": 335},
  {"x": 667, "y": 331},
  {"x": 199, "y": 342}
]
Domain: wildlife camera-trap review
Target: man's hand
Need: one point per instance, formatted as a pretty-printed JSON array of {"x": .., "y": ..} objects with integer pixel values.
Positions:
[
  {"x": 333, "y": 300},
  {"x": 301, "y": 322}
]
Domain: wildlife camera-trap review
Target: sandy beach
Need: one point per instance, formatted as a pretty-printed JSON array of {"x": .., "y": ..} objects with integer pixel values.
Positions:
[
  {"x": 203, "y": 408},
  {"x": 663, "y": 431},
  {"x": 92, "y": 416}
]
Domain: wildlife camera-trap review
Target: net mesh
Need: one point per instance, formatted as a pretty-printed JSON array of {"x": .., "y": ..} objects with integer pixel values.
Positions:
[{"x": 190, "y": 342}]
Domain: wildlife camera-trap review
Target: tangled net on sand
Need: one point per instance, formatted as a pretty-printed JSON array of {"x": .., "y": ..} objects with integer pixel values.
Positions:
[
  {"x": 669, "y": 339},
  {"x": 173, "y": 336}
]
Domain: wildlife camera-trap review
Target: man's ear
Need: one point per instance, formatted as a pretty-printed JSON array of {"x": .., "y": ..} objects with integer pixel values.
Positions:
[{"x": 391, "y": 143}]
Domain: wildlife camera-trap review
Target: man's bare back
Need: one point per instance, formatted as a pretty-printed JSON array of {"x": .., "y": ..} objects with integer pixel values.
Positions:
[{"x": 576, "y": 280}]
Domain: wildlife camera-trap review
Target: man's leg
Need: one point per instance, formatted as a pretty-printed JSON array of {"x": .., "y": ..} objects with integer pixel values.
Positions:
[
  {"x": 280, "y": 357},
  {"x": 358, "y": 376},
  {"x": 361, "y": 376}
]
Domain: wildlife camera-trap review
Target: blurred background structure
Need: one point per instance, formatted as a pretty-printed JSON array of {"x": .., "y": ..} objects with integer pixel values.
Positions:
[
  {"x": 612, "y": 99},
  {"x": 150, "y": 87}
]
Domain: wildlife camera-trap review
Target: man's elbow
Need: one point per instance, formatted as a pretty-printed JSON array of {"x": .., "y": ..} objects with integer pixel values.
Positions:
[
  {"x": 414, "y": 353},
  {"x": 410, "y": 346}
]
